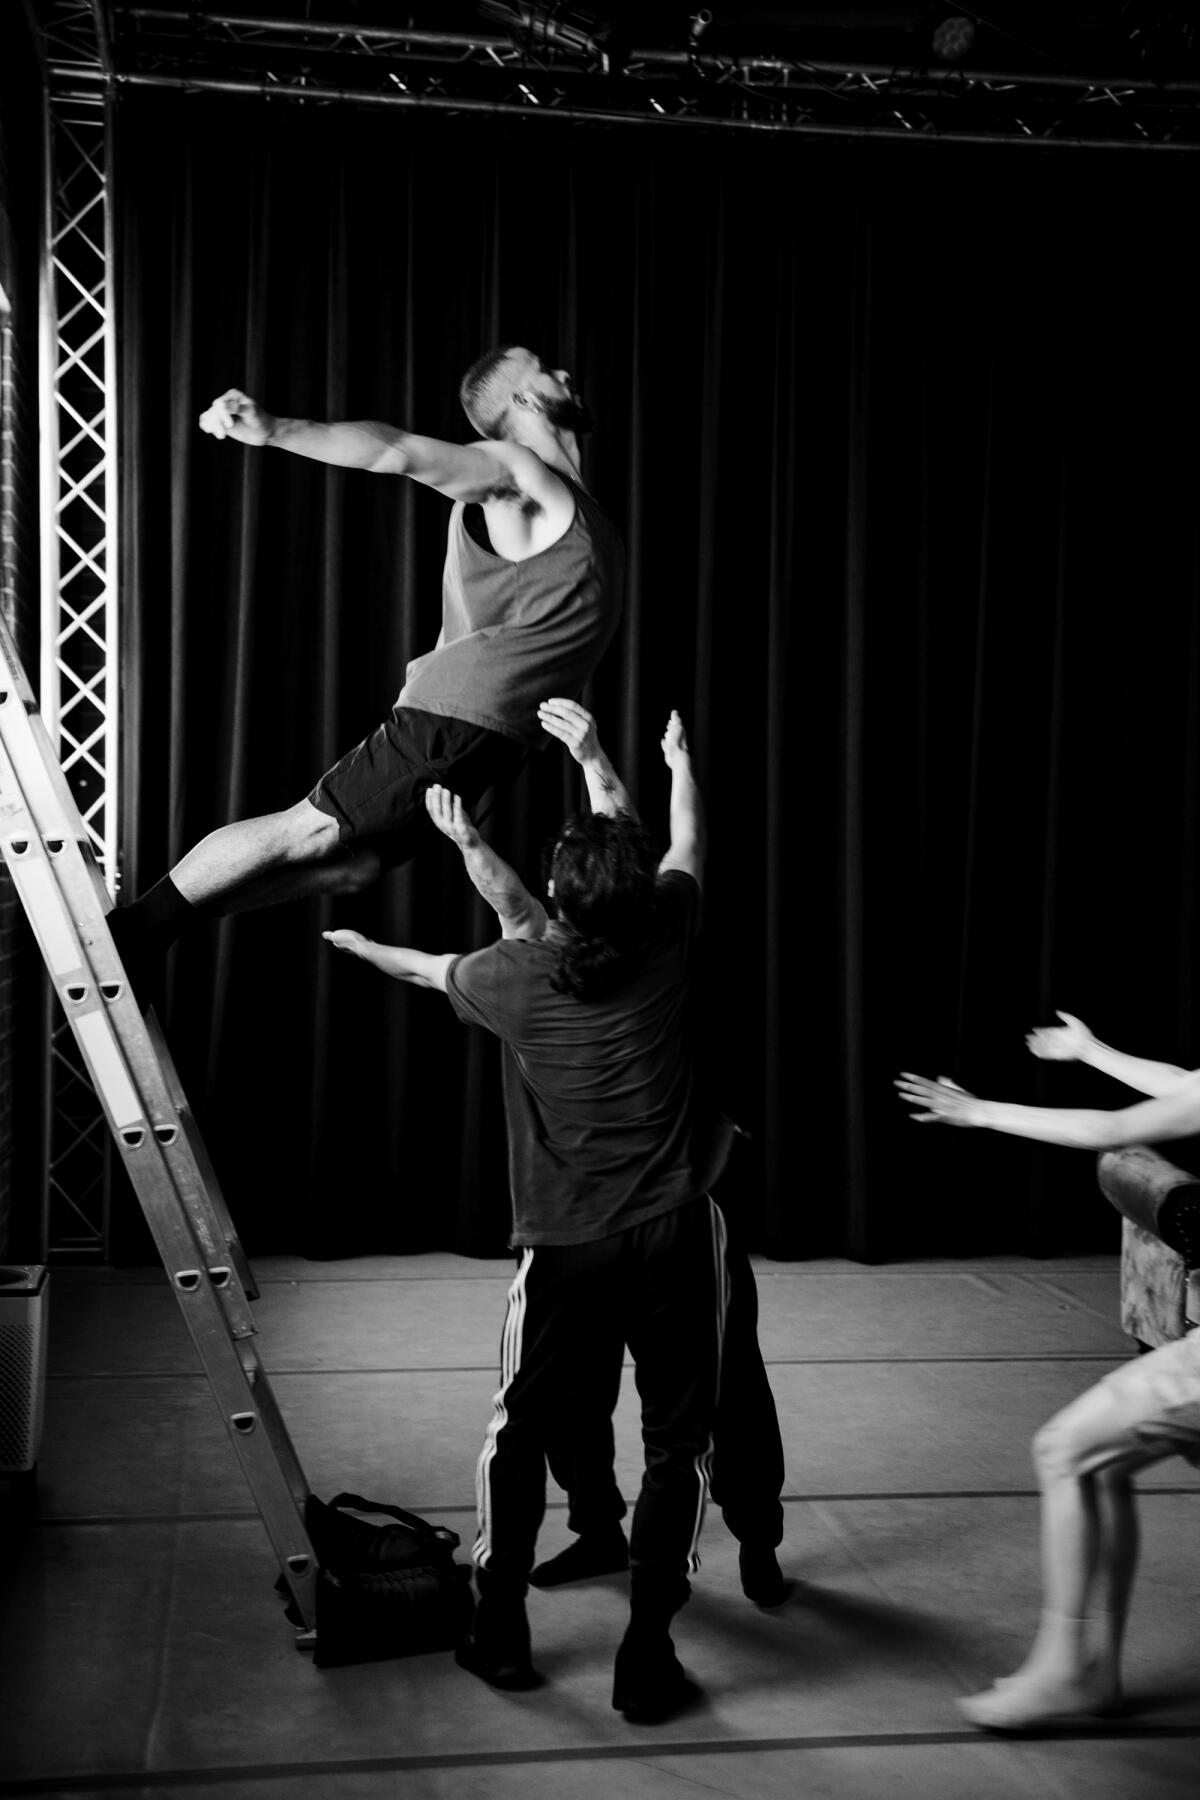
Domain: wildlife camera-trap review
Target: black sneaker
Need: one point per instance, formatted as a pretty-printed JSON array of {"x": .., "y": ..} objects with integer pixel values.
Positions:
[
  {"x": 597, "y": 1553},
  {"x": 649, "y": 1683},
  {"x": 763, "y": 1581},
  {"x": 497, "y": 1648}
]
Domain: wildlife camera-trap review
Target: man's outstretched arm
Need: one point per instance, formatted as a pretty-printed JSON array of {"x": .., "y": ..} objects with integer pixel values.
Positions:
[
  {"x": 575, "y": 727},
  {"x": 416, "y": 966},
  {"x": 1073, "y": 1042},
  {"x": 1158, "y": 1121},
  {"x": 687, "y": 847},
  {"x": 460, "y": 471},
  {"x": 520, "y": 915}
]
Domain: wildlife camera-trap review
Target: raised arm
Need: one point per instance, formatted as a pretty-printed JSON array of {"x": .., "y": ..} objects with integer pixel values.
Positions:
[
  {"x": 687, "y": 847},
  {"x": 416, "y": 966},
  {"x": 575, "y": 727},
  {"x": 1158, "y": 1121},
  {"x": 478, "y": 472},
  {"x": 520, "y": 915},
  {"x": 1073, "y": 1042}
]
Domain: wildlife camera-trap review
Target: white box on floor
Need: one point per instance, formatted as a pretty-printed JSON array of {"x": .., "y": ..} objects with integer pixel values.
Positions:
[{"x": 23, "y": 1312}]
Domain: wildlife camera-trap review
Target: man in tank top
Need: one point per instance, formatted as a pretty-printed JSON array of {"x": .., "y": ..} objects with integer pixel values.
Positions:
[{"x": 531, "y": 597}]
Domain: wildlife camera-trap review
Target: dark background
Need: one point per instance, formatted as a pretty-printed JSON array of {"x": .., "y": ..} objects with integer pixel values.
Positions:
[{"x": 902, "y": 442}]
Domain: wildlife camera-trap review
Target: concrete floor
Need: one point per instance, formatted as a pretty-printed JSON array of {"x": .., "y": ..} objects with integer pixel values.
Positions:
[{"x": 143, "y": 1649}]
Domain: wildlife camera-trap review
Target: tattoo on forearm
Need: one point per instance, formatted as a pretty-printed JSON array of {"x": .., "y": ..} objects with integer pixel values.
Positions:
[{"x": 608, "y": 784}]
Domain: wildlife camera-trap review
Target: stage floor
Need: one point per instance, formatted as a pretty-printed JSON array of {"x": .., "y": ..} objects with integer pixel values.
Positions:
[{"x": 143, "y": 1649}]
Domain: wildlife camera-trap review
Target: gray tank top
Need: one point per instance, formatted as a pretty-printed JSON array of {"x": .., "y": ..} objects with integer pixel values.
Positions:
[{"x": 514, "y": 633}]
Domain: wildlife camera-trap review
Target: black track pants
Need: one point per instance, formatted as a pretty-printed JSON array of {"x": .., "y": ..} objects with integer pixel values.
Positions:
[
  {"x": 747, "y": 1463},
  {"x": 660, "y": 1287}
]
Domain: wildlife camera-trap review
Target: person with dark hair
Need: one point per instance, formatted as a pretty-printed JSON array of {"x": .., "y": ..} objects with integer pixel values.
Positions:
[
  {"x": 612, "y": 1152},
  {"x": 531, "y": 597},
  {"x": 1087, "y": 1455},
  {"x": 747, "y": 1472}
]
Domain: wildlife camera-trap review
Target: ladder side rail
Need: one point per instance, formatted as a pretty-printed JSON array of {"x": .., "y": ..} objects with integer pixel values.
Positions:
[
  {"x": 199, "y": 1149},
  {"x": 55, "y": 817},
  {"x": 238, "y": 1381},
  {"x": 190, "y": 1171},
  {"x": 96, "y": 1002},
  {"x": 13, "y": 675},
  {"x": 47, "y": 790},
  {"x": 276, "y": 1424},
  {"x": 50, "y": 861}
]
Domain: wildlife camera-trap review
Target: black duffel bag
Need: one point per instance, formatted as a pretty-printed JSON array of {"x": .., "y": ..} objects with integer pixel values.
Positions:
[{"x": 384, "y": 1589}]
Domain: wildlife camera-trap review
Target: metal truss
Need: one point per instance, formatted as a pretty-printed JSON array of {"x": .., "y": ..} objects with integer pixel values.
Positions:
[
  {"x": 79, "y": 684},
  {"x": 538, "y": 68}
]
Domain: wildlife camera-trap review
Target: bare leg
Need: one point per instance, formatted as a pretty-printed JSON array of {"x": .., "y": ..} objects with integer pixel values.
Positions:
[
  {"x": 1122, "y": 1538},
  {"x": 248, "y": 848},
  {"x": 342, "y": 872},
  {"x": 1057, "y": 1682}
]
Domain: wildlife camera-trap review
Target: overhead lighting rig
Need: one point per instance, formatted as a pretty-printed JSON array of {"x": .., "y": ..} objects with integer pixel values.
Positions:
[{"x": 565, "y": 62}]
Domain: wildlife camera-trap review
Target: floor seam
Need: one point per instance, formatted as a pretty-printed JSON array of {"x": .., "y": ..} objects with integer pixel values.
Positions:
[
  {"x": 635, "y": 1751},
  {"x": 871, "y": 1496}
]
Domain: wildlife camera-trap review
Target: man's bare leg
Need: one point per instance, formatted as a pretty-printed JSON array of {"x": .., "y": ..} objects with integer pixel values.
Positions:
[
  {"x": 343, "y": 871},
  {"x": 300, "y": 838},
  {"x": 238, "y": 853}
]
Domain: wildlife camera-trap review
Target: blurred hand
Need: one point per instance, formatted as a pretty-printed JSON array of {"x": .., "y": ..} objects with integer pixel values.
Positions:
[
  {"x": 674, "y": 742},
  {"x": 573, "y": 726},
  {"x": 237, "y": 416},
  {"x": 352, "y": 942},
  {"x": 1067, "y": 1042},
  {"x": 451, "y": 817},
  {"x": 942, "y": 1102}
]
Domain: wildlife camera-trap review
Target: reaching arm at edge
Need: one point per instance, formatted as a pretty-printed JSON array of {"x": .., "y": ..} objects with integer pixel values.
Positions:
[
  {"x": 1158, "y": 1121},
  {"x": 1138, "y": 1072},
  {"x": 416, "y": 966},
  {"x": 687, "y": 847},
  {"x": 1161, "y": 1120}
]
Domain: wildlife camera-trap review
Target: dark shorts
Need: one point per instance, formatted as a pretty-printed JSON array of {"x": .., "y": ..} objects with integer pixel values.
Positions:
[{"x": 377, "y": 791}]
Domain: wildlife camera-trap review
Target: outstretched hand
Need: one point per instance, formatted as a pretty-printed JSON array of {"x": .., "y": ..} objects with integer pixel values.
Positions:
[
  {"x": 352, "y": 942},
  {"x": 451, "y": 817},
  {"x": 573, "y": 726},
  {"x": 674, "y": 742},
  {"x": 1067, "y": 1042},
  {"x": 237, "y": 416},
  {"x": 942, "y": 1102}
]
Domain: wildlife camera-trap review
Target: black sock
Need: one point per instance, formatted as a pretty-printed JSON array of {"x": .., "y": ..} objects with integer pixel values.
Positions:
[
  {"x": 143, "y": 933},
  {"x": 154, "y": 920}
]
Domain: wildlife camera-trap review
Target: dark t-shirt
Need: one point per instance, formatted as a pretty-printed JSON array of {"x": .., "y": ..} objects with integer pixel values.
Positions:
[{"x": 605, "y": 1128}]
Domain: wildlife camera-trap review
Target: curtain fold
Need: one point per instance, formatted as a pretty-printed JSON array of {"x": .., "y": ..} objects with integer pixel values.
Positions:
[{"x": 900, "y": 442}]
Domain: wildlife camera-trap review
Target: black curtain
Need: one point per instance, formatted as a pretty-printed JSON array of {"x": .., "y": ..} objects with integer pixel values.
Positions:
[
  {"x": 23, "y": 993},
  {"x": 901, "y": 439}
]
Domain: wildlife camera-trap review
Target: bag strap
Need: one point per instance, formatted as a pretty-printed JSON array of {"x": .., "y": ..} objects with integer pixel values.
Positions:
[{"x": 356, "y": 1503}]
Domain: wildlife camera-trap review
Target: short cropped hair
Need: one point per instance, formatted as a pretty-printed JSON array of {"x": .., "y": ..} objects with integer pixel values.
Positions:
[{"x": 483, "y": 393}]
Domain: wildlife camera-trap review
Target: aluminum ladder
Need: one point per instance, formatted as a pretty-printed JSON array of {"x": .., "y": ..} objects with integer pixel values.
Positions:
[{"x": 47, "y": 851}]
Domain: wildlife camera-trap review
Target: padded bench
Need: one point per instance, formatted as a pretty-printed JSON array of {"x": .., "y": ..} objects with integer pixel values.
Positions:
[{"x": 1160, "y": 1242}]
